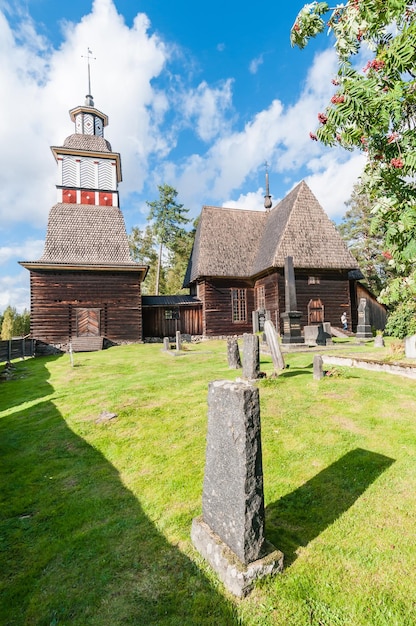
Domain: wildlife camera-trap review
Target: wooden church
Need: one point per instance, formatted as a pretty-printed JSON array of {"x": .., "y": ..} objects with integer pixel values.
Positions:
[
  {"x": 85, "y": 288},
  {"x": 237, "y": 265}
]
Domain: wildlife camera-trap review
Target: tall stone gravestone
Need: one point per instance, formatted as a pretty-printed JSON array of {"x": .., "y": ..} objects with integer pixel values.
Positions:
[
  {"x": 230, "y": 535},
  {"x": 273, "y": 343},
  {"x": 233, "y": 353},
  {"x": 364, "y": 327},
  {"x": 410, "y": 347},
  {"x": 251, "y": 357},
  {"x": 291, "y": 317}
]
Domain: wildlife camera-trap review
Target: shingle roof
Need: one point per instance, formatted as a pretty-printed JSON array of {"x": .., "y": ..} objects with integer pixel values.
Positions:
[
  {"x": 239, "y": 243},
  {"x": 92, "y": 143},
  {"x": 85, "y": 233},
  {"x": 170, "y": 300},
  {"x": 226, "y": 242}
]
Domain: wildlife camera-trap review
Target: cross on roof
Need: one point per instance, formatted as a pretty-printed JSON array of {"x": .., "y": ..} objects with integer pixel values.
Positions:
[{"x": 89, "y": 58}]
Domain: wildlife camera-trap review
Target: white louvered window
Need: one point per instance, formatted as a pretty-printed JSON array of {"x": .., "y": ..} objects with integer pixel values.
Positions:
[
  {"x": 88, "y": 174},
  {"x": 69, "y": 171},
  {"x": 105, "y": 175}
]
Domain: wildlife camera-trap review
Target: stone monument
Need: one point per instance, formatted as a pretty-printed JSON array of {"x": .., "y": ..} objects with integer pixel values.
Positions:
[
  {"x": 410, "y": 347},
  {"x": 273, "y": 343},
  {"x": 364, "y": 327},
  {"x": 291, "y": 317},
  {"x": 233, "y": 353},
  {"x": 318, "y": 371},
  {"x": 230, "y": 534},
  {"x": 251, "y": 357}
]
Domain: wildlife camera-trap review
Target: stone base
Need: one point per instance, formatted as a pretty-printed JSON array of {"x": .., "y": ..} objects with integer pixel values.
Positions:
[
  {"x": 237, "y": 577},
  {"x": 364, "y": 332}
]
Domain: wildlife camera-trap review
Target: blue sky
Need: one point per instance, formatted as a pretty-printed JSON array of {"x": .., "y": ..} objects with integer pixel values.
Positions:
[{"x": 198, "y": 96}]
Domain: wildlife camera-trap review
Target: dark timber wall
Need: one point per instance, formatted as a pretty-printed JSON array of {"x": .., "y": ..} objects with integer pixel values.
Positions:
[
  {"x": 217, "y": 311},
  {"x": 333, "y": 289},
  {"x": 56, "y": 296},
  {"x": 187, "y": 319}
]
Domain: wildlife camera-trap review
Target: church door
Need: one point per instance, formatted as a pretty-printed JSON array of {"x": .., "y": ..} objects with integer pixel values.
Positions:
[
  {"x": 315, "y": 312},
  {"x": 88, "y": 322}
]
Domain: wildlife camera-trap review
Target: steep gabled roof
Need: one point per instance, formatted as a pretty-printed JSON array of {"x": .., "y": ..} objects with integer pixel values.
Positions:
[
  {"x": 239, "y": 243},
  {"x": 226, "y": 243},
  {"x": 86, "y": 233},
  {"x": 299, "y": 227}
]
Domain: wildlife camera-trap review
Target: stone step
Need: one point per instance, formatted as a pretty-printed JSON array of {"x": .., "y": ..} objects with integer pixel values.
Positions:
[{"x": 86, "y": 344}]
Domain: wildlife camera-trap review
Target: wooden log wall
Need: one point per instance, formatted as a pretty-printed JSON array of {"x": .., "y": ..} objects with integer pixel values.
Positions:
[
  {"x": 378, "y": 312},
  {"x": 55, "y": 297},
  {"x": 217, "y": 310},
  {"x": 271, "y": 292},
  {"x": 188, "y": 321},
  {"x": 333, "y": 290}
]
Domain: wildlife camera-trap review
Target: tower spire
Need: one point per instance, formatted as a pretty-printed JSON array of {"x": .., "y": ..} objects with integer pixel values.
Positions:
[
  {"x": 88, "y": 98},
  {"x": 267, "y": 197}
]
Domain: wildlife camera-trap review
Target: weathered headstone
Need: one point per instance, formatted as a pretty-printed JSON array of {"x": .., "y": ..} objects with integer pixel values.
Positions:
[
  {"x": 273, "y": 343},
  {"x": 318, "y": 371},
  {"x": 364, "y": 327},
  {"x": 233, "y": 353},
  {"x": 291, "y": 317},
  {"x": 379, "y": 341},
  {"x": 166, "y": 344},
  {"x": 178, "y": 340},
  {"x": 251, "y": 357},
  {"x": 410, "y": 347},
  {"x": 231, "y": 532},
  {"x": 324, "y": 336}
]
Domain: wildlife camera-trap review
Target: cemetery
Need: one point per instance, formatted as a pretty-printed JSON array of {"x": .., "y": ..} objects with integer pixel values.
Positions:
[{"x": 232, "y": 485}]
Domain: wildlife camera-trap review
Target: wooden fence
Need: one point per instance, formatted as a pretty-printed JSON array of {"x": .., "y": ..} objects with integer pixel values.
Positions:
[{"x": 16, "y": 348}]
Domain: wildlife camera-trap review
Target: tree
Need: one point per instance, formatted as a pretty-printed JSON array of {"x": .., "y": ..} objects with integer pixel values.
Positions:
[
  {"x": 365, "y": 240},
  {"x": 374, "y": 109},
  {"x": 14, "y": 324},
  {"x": 166, "y": 216},
  {"x": 164, "y": 245},
  {"x": 142, "y": 247}
]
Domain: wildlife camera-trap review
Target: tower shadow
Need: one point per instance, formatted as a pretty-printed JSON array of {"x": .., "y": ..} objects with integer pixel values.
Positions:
[
  {"x": 76, "y": 545},
  {"x": 300, "y": 516}
]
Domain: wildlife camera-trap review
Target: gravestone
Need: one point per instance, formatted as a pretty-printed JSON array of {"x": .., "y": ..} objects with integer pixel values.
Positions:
[
  {"x": 410, "y": 347},
  {"x": 379, "y": 341},
  {"x": 273, "y": 343},
  {"x": 166, "y": 344},
  {"x": 318, "y": 371},
  {"x": 251, "y": 357},
  {"x": 178, "y": 340},
  {"x": 259, "y": 317},
  {"x": 233, "y": 353},
  {"x": 364, "y": 327},
  {"x": 324, "y": 336},
  {"x": 230, "y": 534},
  {"x": 291, "y": 317}
]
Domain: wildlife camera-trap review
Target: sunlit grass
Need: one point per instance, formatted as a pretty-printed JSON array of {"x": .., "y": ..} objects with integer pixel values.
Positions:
[{"x": 96, "y": 515}]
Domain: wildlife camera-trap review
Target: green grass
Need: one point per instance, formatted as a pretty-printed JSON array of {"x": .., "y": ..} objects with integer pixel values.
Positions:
[{"x": 95, "y": 516}]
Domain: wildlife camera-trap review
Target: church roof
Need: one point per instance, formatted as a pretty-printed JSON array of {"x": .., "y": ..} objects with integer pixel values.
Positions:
[
  {"x": 239, "y": 243},
  {"x": 86, "y": 234},
  {"x": 92, "y": 143}
]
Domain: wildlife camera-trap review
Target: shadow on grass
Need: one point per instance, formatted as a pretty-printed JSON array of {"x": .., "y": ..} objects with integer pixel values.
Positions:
[
  {"x": 33, "y": 374},
  {"x": 76, "y": 546},
  {"x": 300, "y": 516}
]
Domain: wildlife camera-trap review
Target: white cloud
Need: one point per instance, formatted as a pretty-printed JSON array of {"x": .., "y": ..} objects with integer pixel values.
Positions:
[
  {"x": 14, "y": 291},
  {"x": 26, "y": 251},
  {"x": 333, "y": 184},
  {"x": 254, "y": 201},
  {"x": 208, "y": 106},
  {"x": 255, "y": 64}
]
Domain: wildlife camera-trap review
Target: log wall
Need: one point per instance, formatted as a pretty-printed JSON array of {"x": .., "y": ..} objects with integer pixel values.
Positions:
[
  {"x": 56, "y": 296},
  {"x": 188, "y": 321},
  {"x": 217, "y": 307}
]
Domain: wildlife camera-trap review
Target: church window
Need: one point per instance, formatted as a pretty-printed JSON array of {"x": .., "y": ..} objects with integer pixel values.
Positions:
[
  {"x": 260, "y": 297},
  {"x": 239, "y": 305}
]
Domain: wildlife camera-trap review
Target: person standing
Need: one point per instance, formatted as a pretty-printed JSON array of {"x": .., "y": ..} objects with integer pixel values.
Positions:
[{"x": 344, "y": 321}]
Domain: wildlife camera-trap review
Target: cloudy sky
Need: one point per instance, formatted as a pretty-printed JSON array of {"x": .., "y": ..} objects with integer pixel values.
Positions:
[{"x": 199, "y": 96}]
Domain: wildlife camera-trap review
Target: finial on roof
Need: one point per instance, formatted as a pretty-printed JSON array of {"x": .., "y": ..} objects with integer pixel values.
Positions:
[
  {"x": 267, "y": 197},
  {"x": 88, "y": 98}
]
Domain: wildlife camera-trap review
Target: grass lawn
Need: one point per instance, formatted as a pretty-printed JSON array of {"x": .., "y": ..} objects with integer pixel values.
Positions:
[{"x": 95, "y": 515}]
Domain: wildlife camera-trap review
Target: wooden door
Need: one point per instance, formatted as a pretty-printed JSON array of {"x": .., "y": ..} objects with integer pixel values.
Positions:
[
  {"x": 88, "y": 322},
  {"x": 315, "y": 312}
]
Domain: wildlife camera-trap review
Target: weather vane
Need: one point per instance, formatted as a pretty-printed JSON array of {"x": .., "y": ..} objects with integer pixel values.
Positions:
[{"x": 89, "y": 58}]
